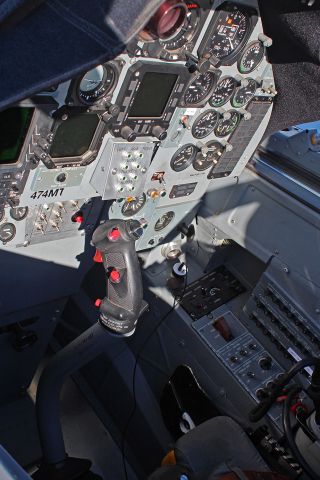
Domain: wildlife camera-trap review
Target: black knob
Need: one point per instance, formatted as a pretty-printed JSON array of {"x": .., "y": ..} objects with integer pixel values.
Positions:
[
  {"x": 128, "y": 134},
  {"x": 159, "y": 132},
  {"x": 265, "y": 363},
  {"x": 243, "y": 352},
  {"x": 261, "y": 394},
  {"x": 234, "y": 359},
  {"x": 251, "y": 374}
]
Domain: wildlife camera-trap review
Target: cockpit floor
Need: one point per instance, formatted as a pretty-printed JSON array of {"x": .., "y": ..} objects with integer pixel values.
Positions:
[{"x": 85, "y": 435}]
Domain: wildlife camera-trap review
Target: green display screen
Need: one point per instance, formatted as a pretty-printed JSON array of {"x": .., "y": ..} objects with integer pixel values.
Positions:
[
  {"x": 73, "y": 136},
  {"x": 14, "y": 125}
]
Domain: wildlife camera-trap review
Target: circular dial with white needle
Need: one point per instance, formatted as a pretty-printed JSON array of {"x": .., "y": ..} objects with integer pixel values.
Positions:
[
  {"x": 244, "y": 93},
  {"x": 200, "y": 89},
  {"x": 96, "y": 83},
  {"x": 205, "y": 124},
  {"x": 223, "y": 92},
  {"x": 230, "y": 32},
  {"x": 183, "y": 157},
  {"x": 251, "y": 57},
  {"x": 228, "y": 123}
]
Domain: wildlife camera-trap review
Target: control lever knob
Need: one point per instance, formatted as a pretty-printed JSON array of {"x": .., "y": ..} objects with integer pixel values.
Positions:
[
  {"x": 265, "y": 363},
  {"x": 128, "y": 134},
  {"x": 159, "y": 132}
]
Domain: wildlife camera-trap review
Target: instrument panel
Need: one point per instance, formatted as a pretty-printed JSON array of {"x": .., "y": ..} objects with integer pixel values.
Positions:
[{"x": 150, "y": 131}]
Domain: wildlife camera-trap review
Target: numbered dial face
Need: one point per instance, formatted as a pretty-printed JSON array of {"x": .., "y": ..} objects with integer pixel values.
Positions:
[
  {"x": 96, "y": 83},
  {"x": 19, "y": 213},
  {"x": 205, "y": 124},
  {"x": 133, "y": 205},
  {"x": 244, "y": 94},
  {"x": 164, "y": 221},
  {"x": 200, "y": 88},
  {"x": 183, "y": 157},
  {"x": 230, "y": 32},
  {"x": 172, "y": 49},
  {"x": 7, "y": 232},
  {"x": 213, "y": 151},
  {"x": 252, "y": 57},
  {"x": 228, "y": 123},
  {"x": 223, "y": 92}
]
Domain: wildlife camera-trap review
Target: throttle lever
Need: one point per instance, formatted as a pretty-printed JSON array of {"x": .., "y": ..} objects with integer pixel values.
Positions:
[{"x": 123, "y": 303}]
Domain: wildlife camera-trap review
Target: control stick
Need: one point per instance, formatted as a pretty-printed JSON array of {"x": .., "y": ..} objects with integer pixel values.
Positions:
[
  {"x": 119, "y": 312},
  {"x": 123, "y": 304}
]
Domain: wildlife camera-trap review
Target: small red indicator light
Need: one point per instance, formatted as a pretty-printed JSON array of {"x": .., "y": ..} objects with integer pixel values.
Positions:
[{"x": 98, "y": 302}]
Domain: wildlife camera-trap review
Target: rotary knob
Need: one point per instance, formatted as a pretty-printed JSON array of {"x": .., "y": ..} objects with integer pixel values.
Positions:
[
  {"x": 159, "y": 132},
  {"x": 128, "y": 134},
  {"x": 265, "y": 363}
]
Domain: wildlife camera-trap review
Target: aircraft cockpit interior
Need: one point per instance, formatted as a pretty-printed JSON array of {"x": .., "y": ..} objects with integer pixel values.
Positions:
[{"x": 160, "y": 240}]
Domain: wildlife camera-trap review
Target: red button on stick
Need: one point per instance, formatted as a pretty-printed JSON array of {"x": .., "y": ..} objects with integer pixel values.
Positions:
[
  {"x": 114, "y": 234},
  {"x": 98, "y": 257},
  {"x": 115, "y": 276}
]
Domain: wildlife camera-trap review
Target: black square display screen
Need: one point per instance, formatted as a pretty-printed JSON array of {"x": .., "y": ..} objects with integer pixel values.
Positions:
[
  {"x": 14, "y": 126},
  {"x": 153, "y": 95},
  {"x": 73, "y": 136}
]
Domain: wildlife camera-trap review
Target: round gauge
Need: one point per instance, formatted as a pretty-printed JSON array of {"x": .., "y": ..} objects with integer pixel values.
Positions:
[
  {"x": 214, "y": 151},
  {"x": 200, "y": 89},
  {"x": 96, "y": 83},
  {"x": 172, "y": 49},
  {"x": 251, "y": 57},
  {"x": 19, "y": 213},
  {"x": 7, "y": 232},
  {"x": 230, "y": 32},
  {"x": 223, "y": 92},
  {"x": 133, "y": 205},
  {"x": 164, "y": 221},
  {"x": 244, "y": 93},
  {"x": 183, "y": 157},
  {"x": 205, "y": 124},
  {"x": 228, "y": 123}
]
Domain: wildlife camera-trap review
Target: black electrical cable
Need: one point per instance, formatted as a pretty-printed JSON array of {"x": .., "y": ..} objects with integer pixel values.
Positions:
[
  {"x": 263, "y": 407},
  {"x": 138, "y": 355},
  {"x": 290, "y": 436}
]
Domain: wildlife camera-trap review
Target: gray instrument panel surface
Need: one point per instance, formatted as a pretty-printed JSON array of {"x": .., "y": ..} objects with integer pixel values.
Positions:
[{"x": 45, "y": 186}]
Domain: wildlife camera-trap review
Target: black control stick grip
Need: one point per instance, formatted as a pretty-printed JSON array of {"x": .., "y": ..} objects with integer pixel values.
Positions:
[{"x": 123, "y": 304}]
